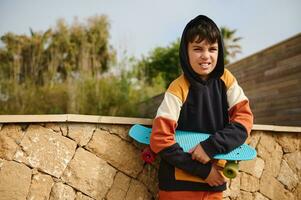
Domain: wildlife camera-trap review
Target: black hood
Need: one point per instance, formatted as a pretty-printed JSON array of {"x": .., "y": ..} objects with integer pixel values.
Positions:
[{"x": 192, "y": 76}]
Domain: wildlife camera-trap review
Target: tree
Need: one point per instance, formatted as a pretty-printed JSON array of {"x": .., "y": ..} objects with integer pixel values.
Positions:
[
  {"x": 162, "y": 62},
  {"x": 231, "y": 46},
  {"x": 58, "y": 53}
]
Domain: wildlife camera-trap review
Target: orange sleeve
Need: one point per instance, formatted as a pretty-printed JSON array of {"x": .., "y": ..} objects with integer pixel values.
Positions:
[
  {"x": 162, "y": 134},
  {"x": 242, "y": 114}
]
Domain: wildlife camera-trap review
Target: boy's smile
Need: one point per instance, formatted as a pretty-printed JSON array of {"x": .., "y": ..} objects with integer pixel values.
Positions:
[{"x": 203, "y": 57}]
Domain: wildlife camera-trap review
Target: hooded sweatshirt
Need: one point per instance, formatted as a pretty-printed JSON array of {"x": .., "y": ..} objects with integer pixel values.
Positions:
[{"x": 217, "y": 106}]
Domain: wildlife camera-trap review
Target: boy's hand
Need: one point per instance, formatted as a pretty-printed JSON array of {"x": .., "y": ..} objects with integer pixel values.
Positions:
[
  {"x": 215, "y": 178},
  {"x": 199, "y": 154}
]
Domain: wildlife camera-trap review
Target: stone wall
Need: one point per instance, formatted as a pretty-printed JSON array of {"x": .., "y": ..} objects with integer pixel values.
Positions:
[{"x": 86, "y": 161}]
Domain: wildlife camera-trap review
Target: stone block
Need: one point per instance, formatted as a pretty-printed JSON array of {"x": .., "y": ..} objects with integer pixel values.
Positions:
[
  {"x": 10, "y": 138},
  {"x": 120, "y": 130},
  {"x": 273, "y": 189},
  {"x": 287, "y": 177},
  {"x": 120, "y": 187},
  {"x": 249, "y": 183},
  {"x": 289, "y": 142},
  {"x": 14, "y": 181},
  {"x": 259, "y": 196},
  {"x": 233, "y": 189},
  {"x": 297, "y": 192},
  {"x": 81, "y": 133},
  {"x": 294, "y": 162},
  {"x": 246, "y": 195},
  {"x": 149, "y": 177},
  {"x": 61, "y": 128},
  {"x": 119, "y": 153},
  {"x": 254, "y": 167},
  {"x": 40, "y": 187},
  {"x": 271, "y": 152},
  {"x": 254, "y": 138},
  {"x": 137, "y": 191},
  {"x": 89, "y": 174},
  {"x": 46, "y": 150},
  {"x": 81, "y": 196},
  {"x": 61, "y": 191}
]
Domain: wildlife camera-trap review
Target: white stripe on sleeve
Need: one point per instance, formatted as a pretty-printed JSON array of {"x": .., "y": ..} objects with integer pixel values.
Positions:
[{"x": 170, "y": 107}]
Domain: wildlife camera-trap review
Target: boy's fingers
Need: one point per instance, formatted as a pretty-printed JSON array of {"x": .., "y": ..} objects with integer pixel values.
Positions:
[{"x": 192, "y": 150}]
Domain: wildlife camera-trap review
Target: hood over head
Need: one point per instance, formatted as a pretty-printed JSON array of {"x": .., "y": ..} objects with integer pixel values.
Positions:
[{"x": 189, "y": 73}]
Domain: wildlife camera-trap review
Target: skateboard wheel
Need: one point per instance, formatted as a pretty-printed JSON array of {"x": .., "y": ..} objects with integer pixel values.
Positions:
[{"x": 231, "y": 170}]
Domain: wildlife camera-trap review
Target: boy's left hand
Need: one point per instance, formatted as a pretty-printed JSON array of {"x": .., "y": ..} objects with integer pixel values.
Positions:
[{"x": 199, "y": 154}]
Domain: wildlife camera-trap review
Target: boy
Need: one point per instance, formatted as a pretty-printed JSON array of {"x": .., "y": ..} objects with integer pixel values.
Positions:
[{"x": 205, "y": 98}]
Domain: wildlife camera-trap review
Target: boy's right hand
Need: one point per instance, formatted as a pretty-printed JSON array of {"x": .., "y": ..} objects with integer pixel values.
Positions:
[{"x": 215, "y": 177}]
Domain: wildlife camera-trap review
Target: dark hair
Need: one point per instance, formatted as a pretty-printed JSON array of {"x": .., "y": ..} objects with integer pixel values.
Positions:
[{"x": 203, "y": 30}]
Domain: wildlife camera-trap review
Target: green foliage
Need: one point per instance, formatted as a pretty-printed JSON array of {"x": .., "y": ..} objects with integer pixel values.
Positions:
[
  {"x": 54, "y": 55},
  {"x": 163, "y": 62},
  {"x": 69, "y": 69},
  {"x": 231, "y": 46},
  {"x": 111, "y": 95}
]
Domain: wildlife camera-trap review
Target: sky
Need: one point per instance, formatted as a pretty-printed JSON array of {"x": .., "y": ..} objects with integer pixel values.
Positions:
[{"x": 138, "y": 26}]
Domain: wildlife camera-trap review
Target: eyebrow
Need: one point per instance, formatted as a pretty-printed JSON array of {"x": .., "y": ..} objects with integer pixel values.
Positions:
[{"x": 197, "y": 45}]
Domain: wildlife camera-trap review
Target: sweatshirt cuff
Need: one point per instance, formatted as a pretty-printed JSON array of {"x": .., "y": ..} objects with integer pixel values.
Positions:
[
  {"x": 204, "y": 171},
  {"x": 209, "y": 147}
]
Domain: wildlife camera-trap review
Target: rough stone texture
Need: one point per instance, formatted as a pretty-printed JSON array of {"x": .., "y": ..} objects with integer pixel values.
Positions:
[
  {"x": 89, "y": 174},
  {"x": 81, "y": 133},
  {"x": 290, "y": 143},
  {"x": 246, "y": 195},
  {"x": 61, "y": 128},
  {"x": 271, "y": 152},
  {"x": 46, "y": 150},
  {"x": 254, "y": 138},
  {"x": 120, "y": 187},
  {"x": 287, "y": 177},
  {"x": 10, "y": 138},
  {"x": 233, "y": 187},
  {"x": 121, "y": 131},
  {"x": 14, "y": 181},
  {"x": 249, "y": 183},
  {"x": 117, "y": 152},
  {"x": 109, "y": 166},
  {"x": 273, "y": 189},
  {"x": 137, "y": 191},
  {"x": 254, "y": 167},
  {"x": 61, "y": 191},
  {"x": 149, "y": 177},
  {"x": 40, "y": 188},
  {"x": 294, "y": 162},
  {"x": 81, "y": 196},
  {"x": 297, "y": 192},
  {"x": 1, "y": 163},
  {"x": 259, "y": 196}
]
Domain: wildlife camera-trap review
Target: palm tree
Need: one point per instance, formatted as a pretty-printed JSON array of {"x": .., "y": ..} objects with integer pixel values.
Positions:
[{"x": 231, "y": 46}]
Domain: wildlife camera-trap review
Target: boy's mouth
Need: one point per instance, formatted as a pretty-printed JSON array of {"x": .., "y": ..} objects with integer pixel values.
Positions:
[{"x": 204, "y": 65}]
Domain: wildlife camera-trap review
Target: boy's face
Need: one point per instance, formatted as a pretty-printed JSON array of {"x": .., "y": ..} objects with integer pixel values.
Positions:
[{"x": 203, "y": 57}]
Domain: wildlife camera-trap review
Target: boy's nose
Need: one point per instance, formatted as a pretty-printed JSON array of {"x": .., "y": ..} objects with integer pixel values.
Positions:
[{"x": 205, "y": 55}]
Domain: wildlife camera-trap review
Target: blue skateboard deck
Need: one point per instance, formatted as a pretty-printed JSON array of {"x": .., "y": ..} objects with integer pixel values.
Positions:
[{"x": 188, "y": 140}]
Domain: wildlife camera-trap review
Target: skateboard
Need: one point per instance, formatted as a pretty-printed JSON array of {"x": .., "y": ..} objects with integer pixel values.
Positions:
[{"x": 188, "y": 140}]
